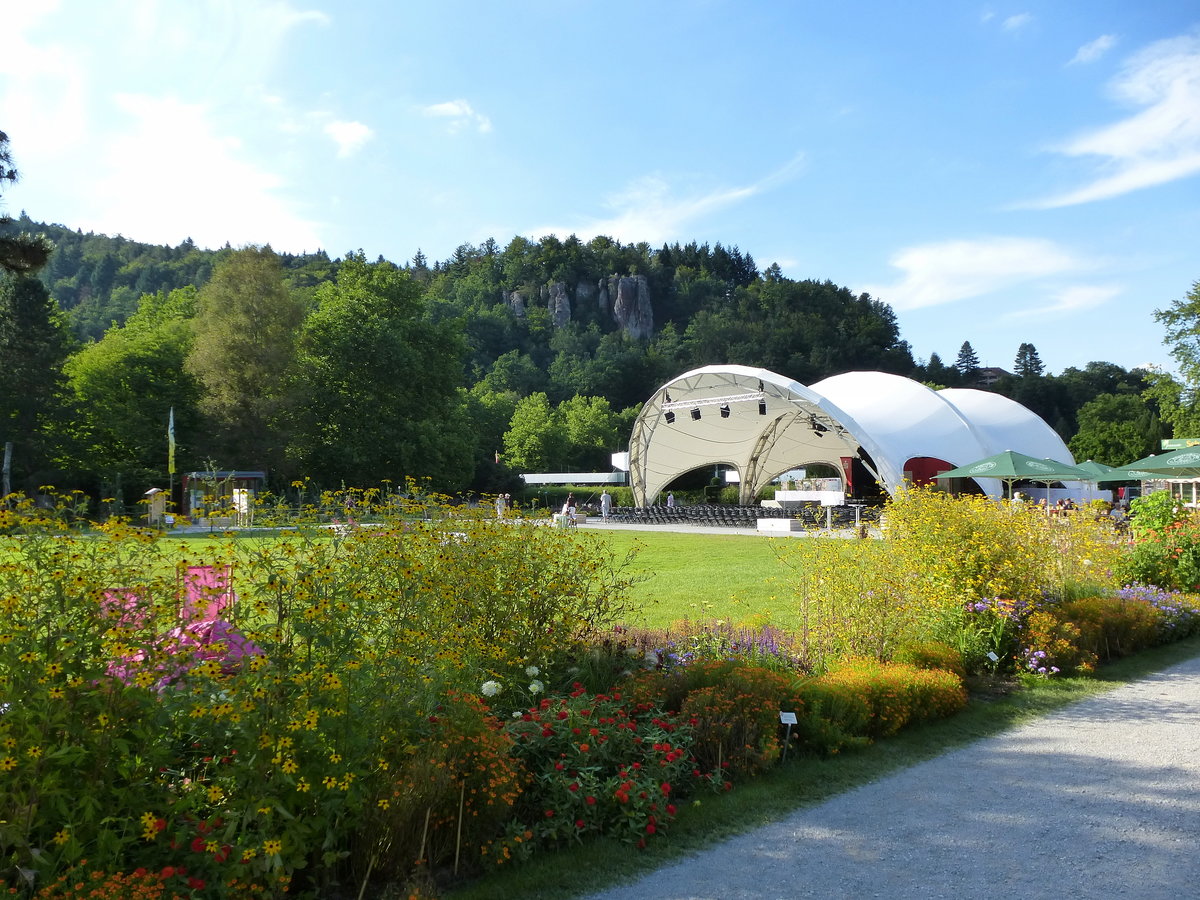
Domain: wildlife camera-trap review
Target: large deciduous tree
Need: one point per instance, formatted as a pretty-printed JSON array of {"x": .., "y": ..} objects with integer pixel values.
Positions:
[
  {"x": 378, "y": 384},
  {"x": 242, "y": 352},
  {"x": 125, "y": 386},
  {"x": 1115, "y": 429},
  {"x": 1182, "y": 320},
  {"x": 535, "y": 440}
]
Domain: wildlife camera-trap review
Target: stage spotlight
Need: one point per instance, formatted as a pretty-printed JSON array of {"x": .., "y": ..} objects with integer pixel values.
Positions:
[
  {"x": 696, "y": 413},
  {"x": 725, "y": 411},
  {"x": 670, "y": 417},
  {"x": 762, "y": 407}
]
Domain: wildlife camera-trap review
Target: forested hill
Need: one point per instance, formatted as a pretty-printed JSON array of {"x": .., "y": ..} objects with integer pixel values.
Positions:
[
  {"x": 567, "y": 317},
  {"x": 529, "y": 356}
]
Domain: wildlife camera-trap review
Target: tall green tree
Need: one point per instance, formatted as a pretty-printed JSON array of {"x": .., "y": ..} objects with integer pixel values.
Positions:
[
  {"x": 967, "y": 363},
  {"x": 124, "y": 387},
  {"x": 34, "y": 344},
  {"x": 590, "y": 425},
  {"x": 378, "y": 384},
  {"x": 19, "y": 253},
  {"x": 242, "y": 352},
  {"x": 535, "y": 440},
  {"x": 1115, "y": 429},
  {"x": 1027, "y": 362},
  {"x": 1182, "y": 322}
]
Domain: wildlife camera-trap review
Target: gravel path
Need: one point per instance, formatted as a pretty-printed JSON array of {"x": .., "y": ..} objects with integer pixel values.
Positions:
[{"x": 1099, "y": 800}]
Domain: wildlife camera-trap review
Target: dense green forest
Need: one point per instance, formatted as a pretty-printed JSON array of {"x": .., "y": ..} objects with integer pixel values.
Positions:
[{"x": 530, "y": 356}]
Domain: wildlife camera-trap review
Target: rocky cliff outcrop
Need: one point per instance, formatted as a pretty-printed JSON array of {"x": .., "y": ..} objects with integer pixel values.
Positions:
[
  {"x": 558, "y": 302},
  {"x": 626, "y": 297},
  {"x": 516, "y": 302},
  {"x": 631, "y": 306}
]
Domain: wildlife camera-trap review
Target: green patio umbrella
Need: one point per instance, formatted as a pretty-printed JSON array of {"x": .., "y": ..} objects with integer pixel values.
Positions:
[
  {"x": 1010, "y": 466},
  {"x": 1183, "y": 463},
  {"x": 1099, "y": 471}
]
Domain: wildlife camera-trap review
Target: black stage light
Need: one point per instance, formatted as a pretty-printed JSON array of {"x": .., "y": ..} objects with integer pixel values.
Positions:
[
  {"x": 762, "y": 407},
  {"x": 670, "y": 417},
  {"x": 725, "y": 411},
  {"x": 696, "y": 413}
]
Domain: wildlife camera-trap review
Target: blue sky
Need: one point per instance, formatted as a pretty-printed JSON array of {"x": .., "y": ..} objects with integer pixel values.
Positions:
[{"x": 998, "y": 173}]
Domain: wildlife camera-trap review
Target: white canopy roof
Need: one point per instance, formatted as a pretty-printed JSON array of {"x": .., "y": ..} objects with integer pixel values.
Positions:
[{"x": 764, "y": 424}]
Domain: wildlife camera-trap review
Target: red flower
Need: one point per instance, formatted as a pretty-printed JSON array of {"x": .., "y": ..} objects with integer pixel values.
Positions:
[
  {"x": 591, "y": 801},
  {"x": 579, "y": 823},
  {"x": 196, "y": 884},
  {"x": 572, "y": 787},
  {"x": 670, "y": 809},
  {"x": 549, "y": 813},
  {"x": 665, "y": 788},
  {"x": 562, "y": 713},
  {"x": 168, "y": 871},
  {"x": 198, "y": 845}
]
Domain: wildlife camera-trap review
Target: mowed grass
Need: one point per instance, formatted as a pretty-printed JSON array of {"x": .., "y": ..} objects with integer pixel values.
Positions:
[{"x": 735, "y": 578}]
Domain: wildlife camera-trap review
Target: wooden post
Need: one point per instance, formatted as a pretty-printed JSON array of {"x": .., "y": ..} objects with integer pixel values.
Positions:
[{"x": 7, "y": 483}]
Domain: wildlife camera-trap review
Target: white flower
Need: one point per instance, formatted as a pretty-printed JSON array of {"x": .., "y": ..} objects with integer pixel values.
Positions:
[
  {"x": 536, "y": 687},
  {"x": 491, "y": 688},
  {"x": 532, "y": 671}
]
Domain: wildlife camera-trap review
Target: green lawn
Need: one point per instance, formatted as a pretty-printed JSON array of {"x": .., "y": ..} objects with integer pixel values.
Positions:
[{"x": 705, "y": 576}]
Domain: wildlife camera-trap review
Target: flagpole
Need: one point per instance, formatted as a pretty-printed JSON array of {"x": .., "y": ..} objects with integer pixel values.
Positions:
[{"x": 171, "y": 458}]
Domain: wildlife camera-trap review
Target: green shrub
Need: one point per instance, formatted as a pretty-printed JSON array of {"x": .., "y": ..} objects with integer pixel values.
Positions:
[
  {"x": 733, "y": 708},
  {"x": 892, "y": 694},
  {"x": 1112, "y": 627},
  {"x": 932, "y": 655}
]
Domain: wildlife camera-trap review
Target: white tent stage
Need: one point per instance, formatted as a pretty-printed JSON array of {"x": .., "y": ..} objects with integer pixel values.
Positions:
[{"x": 763, "y": 424}]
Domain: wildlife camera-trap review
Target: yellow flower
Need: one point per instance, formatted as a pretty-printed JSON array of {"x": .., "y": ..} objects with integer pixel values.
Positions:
[
  {"x": 272, "y": 848},
  {"x": 57, "y": 693},
  {"x": 7, "y": 764},
  {"x": 62, "y": 837},
  {"x": 302, "y": 786},
  {"x": 289, "y": 766},
  {"x": 215, "y": 793}
]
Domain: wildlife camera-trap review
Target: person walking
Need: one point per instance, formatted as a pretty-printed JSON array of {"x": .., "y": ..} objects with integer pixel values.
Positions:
[{"x": 605, "y": 505}]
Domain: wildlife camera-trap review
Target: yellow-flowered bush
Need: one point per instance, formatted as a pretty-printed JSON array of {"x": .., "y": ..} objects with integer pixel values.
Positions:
[{"x": 123, "y": 744}]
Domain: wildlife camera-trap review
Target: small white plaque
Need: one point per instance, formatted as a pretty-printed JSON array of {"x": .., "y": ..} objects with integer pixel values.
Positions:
[
  {"x": 787, "y": 718},
  {"x": 993, "y": 657}
]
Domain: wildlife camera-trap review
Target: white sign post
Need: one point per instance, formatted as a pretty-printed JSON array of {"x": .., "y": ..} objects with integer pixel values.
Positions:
[{"x": 788, "y": 719}]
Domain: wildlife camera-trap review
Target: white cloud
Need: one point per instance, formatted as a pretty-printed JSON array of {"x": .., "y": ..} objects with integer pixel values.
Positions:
[
  {"x": 1093, "y": 50},
  {"x": 1152, "y": 147},
  {"x": 1073, "y": 299},
  {"x": 956, "y": 270},
  {"x": 647, "y": 210},
  {"x": 349, "y": 136},
  {"x": 171, "y": 175},
  {"x": 1015, "y": 23},
  {"x": 460, "y": 114}
]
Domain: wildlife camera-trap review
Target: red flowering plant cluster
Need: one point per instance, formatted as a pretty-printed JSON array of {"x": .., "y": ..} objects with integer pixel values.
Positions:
[{"x": 600, "y": 764}]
